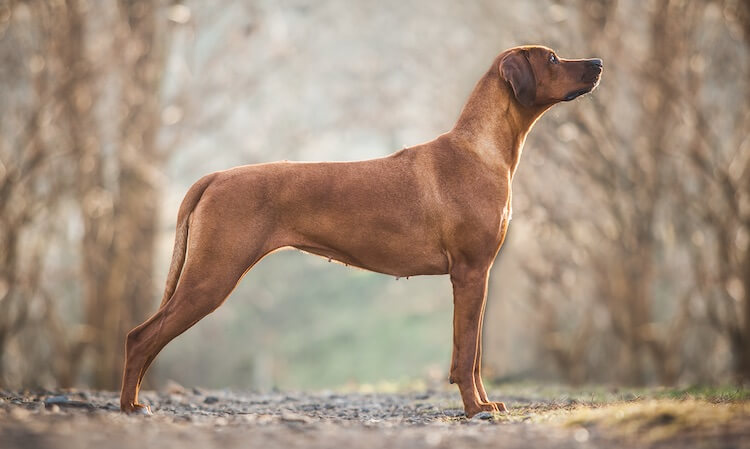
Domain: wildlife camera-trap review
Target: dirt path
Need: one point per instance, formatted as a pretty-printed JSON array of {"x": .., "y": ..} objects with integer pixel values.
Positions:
[{"x": 202, "y": 419}]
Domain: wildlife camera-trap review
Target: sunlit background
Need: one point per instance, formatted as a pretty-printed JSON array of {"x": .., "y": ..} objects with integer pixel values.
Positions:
[{"x": 627, "y": 260}]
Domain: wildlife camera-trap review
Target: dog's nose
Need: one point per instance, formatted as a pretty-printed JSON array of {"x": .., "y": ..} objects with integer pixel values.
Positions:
[{"x": 596, "y": 62}]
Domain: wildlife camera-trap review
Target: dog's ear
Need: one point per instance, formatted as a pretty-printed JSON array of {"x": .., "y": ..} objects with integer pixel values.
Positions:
[{"x": 516, "y": 69}]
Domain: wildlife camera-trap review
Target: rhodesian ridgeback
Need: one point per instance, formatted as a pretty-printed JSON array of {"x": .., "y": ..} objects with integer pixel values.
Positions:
[{"x": 441, "y": 207}]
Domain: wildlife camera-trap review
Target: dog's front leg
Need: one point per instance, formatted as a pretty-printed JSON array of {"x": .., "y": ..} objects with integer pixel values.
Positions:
[
  {"x": 469, "y": 290},
  {"x": 478, "y": 366}
]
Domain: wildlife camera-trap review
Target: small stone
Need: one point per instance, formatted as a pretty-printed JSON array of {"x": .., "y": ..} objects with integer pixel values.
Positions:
[
  {"x": 264, "y": 419},
  {"x": 20, "y": 413},
  {"x": 64, "y": 401},
  {"x": 453, "y": 413},
  {"x": 57, "y": 399},
  {"x": 295, "y": 417},
  {"x": 221, "y": 421},
  {"x": 211, "y": 400},
  {"x": 581, "y": 435},
  {"x": 83, "y": 395},
  {"x": 482, "y": 415}
]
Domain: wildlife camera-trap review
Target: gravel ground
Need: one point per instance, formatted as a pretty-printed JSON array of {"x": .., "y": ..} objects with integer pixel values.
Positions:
[{"x": 203, "y": 419}]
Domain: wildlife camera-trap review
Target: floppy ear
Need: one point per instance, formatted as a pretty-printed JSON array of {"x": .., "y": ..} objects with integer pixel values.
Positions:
[{"x": 516, "y": 69}]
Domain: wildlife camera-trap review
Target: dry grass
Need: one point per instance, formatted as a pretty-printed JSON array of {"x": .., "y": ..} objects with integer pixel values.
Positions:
[
  {"x": 645, "y": 416},
  {"x": 660, "y": 419}
]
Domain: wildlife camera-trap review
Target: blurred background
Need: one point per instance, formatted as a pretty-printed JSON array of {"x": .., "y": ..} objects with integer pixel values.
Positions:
[{"x": 627, "y": 262}]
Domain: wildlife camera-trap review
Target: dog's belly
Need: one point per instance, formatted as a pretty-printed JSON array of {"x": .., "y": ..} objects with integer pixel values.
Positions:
[
  {"x": 399, "y": 265},
  {"x": 376, "y": 247}
]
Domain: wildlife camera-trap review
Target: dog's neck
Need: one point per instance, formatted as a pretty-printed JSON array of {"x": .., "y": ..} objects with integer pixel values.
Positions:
[{"x": 483, "y": 126}]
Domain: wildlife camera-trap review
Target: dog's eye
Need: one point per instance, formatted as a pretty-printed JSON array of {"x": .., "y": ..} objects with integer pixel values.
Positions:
[{"x": 553, "y": 59}]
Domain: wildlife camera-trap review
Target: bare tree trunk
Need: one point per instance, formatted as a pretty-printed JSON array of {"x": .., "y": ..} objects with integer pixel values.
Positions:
[
  {"x": 128, "y": 295},
  {"x": 743, "y": 15},
  {"x": 130, "y": 284},
  {"x": 120, "y": 221},
  {"x": 95, "y": 201}
]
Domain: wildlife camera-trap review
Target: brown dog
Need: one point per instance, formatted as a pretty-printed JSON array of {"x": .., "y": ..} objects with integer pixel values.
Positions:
[{"x": 441, "y": 207}]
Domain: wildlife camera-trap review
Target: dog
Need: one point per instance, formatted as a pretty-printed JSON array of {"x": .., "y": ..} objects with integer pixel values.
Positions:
[{"x": 441, "y": 207}]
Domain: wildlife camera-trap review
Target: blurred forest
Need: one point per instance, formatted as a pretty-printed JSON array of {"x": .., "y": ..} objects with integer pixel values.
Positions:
[{"x": 628, "y": 259}]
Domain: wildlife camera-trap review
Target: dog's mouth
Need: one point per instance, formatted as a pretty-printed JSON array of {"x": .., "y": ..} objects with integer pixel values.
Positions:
[
  {"x": 577, "y": 93},
  {"x": 592, "y": 80}
]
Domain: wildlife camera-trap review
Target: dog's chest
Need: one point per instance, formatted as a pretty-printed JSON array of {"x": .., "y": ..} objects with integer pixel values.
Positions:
[
  {"x": 507, "y": 209},
  {"x": 507, "y": 212}
]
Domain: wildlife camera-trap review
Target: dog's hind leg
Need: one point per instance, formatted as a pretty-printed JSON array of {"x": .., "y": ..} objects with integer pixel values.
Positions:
[{"x": 209, "y": 276}]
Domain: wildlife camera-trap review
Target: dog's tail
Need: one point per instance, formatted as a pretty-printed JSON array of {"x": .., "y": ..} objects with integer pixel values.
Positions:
[{"x": 181, "y": 235}]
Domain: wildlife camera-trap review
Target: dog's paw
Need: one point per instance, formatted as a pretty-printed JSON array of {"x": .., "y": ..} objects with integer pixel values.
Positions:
[
  {"x": 480, "y": 408},
  {"x": 138, "y": 409}
]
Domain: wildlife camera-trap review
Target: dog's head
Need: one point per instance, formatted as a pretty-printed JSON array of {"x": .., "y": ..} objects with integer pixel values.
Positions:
[{"x": 539, "y": 78}]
